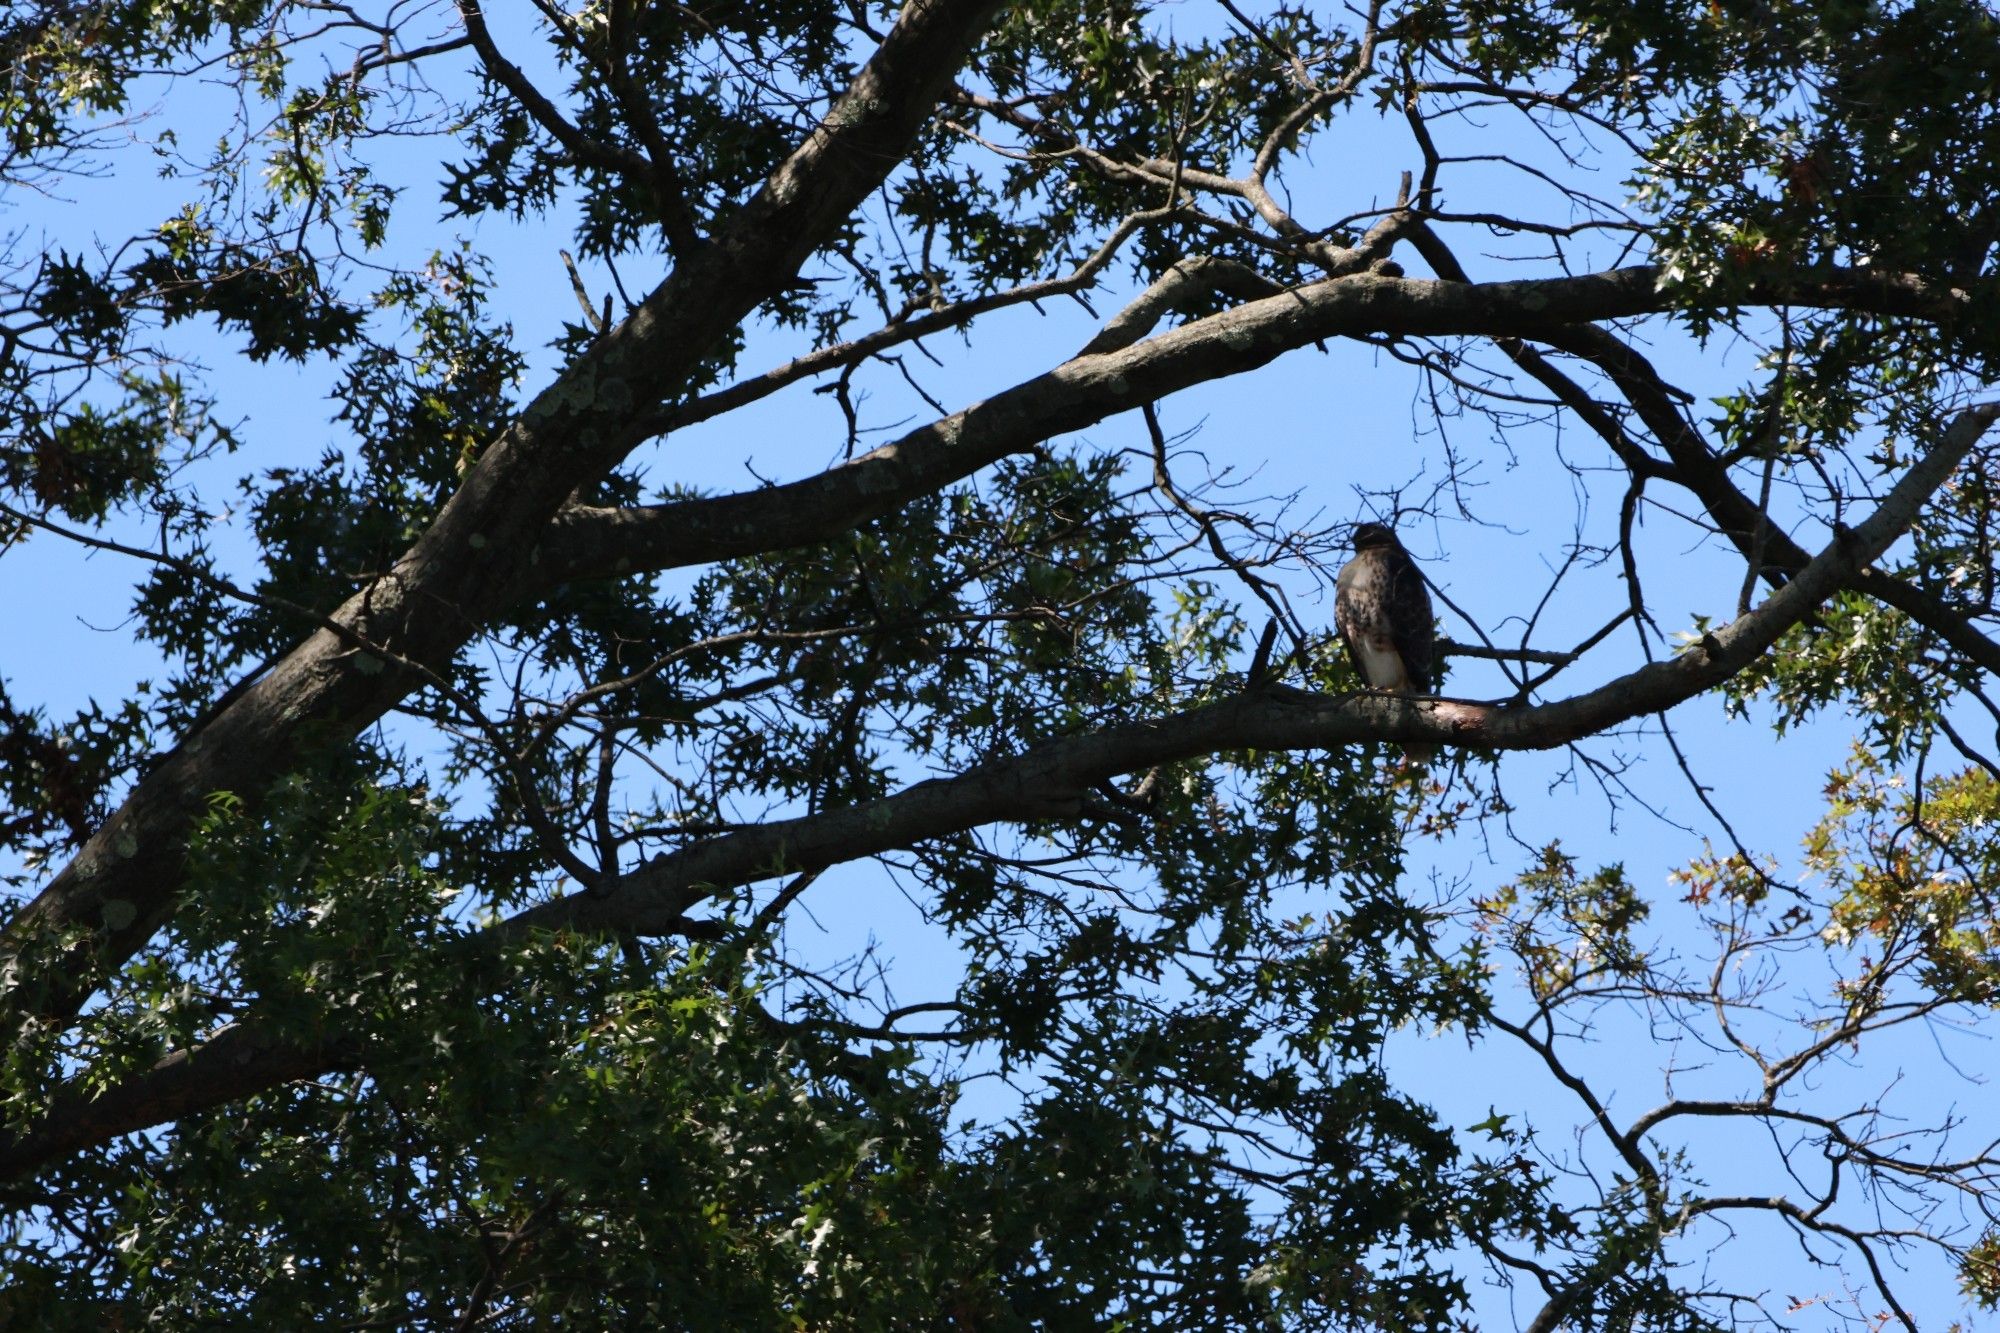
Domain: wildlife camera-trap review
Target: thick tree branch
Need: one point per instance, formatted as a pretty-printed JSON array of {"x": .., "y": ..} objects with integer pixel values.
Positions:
[
  {"x": 239, "y": 1061},
  {"x": 481, "y": 554},
  {"x": 598, "y": 543},
  {"x": 472, "y": 560},
  {"x": 1048, "y": 781}
]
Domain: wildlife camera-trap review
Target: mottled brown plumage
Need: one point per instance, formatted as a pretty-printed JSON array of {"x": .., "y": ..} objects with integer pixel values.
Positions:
[{"x": 1384, "y": 617}]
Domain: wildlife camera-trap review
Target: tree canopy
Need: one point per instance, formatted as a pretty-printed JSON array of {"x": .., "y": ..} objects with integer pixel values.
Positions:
[{"x": 419, "y": 942}]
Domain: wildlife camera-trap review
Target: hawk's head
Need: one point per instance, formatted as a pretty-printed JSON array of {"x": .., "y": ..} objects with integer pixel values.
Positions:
[{"x": 1368, "y": 536}]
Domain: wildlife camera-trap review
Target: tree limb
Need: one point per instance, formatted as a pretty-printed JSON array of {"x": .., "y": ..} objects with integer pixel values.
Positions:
[
  {"x": 600, "y": 543},
  {"x": 1048, "y": 781},
  {"x": 471, "y": 561}
]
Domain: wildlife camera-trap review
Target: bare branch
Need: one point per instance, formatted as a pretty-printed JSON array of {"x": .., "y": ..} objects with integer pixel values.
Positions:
[{"x": 586, "y": 150}]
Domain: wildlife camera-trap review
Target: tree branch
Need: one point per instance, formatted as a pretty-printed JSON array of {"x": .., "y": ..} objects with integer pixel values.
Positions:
[
  {"x": 1050, "y": 779},
  {"x": 1047, "y": 781},
  {"x": 586, "y": 150},
  {"x": 957, "y": 315},
  {"x": 598, "y": 543},
  {"x": 475, "y": 557},
  {"x": 1773, "y": 552}
]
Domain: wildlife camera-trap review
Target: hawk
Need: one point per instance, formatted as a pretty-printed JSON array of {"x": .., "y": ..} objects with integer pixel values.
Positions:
[{"x": 1383, "y": 615}]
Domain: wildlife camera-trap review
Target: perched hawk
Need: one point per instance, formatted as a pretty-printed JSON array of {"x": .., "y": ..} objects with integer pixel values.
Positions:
[{"x": 1384, "y": 617}]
